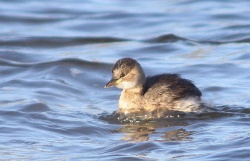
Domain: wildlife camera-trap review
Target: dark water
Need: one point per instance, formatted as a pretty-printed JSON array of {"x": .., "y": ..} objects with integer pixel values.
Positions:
[{"x": 56, "y": 56}]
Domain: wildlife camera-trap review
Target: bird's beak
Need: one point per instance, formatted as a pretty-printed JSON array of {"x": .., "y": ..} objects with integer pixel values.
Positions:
[{"x": 112, "y": 82}]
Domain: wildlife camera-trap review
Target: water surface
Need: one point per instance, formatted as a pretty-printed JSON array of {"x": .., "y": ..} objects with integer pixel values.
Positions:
[{"x": 56, "y": 56}]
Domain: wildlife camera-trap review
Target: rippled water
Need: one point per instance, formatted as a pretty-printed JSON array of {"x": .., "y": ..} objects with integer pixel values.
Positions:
[{"x": 56, "y": 57}]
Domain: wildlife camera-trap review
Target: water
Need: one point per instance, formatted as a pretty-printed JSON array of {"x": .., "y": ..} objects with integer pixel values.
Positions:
[{"x": 56, "y": 56}]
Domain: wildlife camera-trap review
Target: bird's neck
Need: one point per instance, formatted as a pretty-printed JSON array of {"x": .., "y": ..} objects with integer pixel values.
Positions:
[
  {"x": 136, "y": 90},
  {"x": 131, "y": 100}
]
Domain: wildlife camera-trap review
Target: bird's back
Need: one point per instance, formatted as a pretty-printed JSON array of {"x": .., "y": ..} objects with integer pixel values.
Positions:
[{"x": 166, "y": 89}]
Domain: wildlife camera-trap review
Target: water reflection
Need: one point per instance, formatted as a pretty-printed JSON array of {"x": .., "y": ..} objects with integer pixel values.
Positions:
[
  {"x": 170, "y": 128},
  {"x": 157, "y": 131},
  {"x": 178, "y": 135}
]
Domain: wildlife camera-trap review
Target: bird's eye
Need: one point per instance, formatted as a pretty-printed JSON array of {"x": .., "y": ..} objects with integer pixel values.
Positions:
[{"x": 122, "y": 75}]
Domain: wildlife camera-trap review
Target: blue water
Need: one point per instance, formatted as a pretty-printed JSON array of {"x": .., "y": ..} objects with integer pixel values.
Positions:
[{"x": 56, "y": 56}]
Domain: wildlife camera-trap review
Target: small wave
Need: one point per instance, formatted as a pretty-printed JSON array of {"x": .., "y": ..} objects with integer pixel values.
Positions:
[
  {"x": 72, "y": 61},
  {"x": 41, "y": 42},
  {"x": 225, "y": 40},
  {"x": 166, "y": 38},
  {"x": 209, "y": 113},
  {"x": 169, "y": 38},
  {"x": 28, "y": 19},
  {"x": 36, "y": 107}
]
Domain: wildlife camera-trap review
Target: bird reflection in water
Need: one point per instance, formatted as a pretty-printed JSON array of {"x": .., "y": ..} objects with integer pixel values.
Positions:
[{"x": 157, "y": 131}]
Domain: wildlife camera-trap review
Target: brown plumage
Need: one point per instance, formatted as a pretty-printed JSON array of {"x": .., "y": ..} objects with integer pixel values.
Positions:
[{"x": 162, "y": 93}]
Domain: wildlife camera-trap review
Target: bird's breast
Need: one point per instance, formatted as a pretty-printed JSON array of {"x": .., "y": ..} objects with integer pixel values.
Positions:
[{"x": 130, "y": 102}]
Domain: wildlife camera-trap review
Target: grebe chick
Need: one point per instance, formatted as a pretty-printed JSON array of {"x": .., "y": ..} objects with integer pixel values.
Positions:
[{"x": 161, "y": 93}]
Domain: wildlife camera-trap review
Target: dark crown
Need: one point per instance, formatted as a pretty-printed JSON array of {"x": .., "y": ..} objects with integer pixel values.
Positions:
[{"x": 125, "y": 65}]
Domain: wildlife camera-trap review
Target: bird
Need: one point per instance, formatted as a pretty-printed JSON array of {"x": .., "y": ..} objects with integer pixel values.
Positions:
[{"x": 158, "y": 94}]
